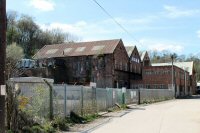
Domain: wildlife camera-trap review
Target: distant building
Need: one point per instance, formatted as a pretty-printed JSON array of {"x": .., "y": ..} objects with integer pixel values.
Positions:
[
  {"x": 187, "y": 66},
  {"x": 160, "y": 77},
  {"x": 105, "y": 63}
]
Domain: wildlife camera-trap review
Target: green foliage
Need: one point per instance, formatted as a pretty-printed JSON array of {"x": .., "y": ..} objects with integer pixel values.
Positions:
[
  {"x": 38, "y": 105},
  {"x": 29, "y": 33},
  {"x": 39, "y": 129},
  {"x": 14, "y": 53},
  {"x": 49, "y": 128},
  {"x": 92, "y": 117},
  {"x": 154, "y": 100},
  {"x": 23, "y": 30},
  {"x": 75, "y": 118},
  {"x": 9, "y": 131},
  {"x": 61, "y": 123}
]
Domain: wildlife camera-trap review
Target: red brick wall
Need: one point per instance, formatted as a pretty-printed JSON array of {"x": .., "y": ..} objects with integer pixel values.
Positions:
[
  {"x": 161, "y": 75},
  {"x": 121, "y": 63}
]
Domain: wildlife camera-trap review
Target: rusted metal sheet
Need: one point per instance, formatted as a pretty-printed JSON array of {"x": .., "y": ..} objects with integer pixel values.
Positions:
[{"x": 78, "y": 49}]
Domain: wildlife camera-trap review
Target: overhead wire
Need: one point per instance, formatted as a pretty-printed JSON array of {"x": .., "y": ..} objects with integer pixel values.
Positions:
[{"x": 121, "y": 26}]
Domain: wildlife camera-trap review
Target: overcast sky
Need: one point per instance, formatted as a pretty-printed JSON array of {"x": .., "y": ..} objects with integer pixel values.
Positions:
[{"x": 172, "y": 25}]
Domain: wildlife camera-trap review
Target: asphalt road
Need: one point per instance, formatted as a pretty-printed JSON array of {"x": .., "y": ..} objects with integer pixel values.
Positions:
[{"x": 175, "y": 116}]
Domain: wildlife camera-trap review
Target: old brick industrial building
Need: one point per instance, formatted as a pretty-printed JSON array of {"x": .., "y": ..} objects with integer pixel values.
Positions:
[
  {"x": 108, "y": 63},
  {"x": 160, "y": 77},
  {"x": 105, "y": 63},
  {"x": 184, "y": 67},
  {"x": 135, "y": 66}
]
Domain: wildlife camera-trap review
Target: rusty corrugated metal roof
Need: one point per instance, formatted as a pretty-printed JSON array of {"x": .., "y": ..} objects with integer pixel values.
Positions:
[{"x": 77, "y": 49}]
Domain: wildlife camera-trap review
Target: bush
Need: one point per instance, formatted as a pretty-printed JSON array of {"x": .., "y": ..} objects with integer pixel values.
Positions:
[
  {"x": 76, "y": 118},
  {"x": 61, "y": 124},
  {"x": 89, "y": 118},
  {"x": 49, "y": 128},
  {"x": 27, "y": 129},
  {"x": 37, "y": 129}
]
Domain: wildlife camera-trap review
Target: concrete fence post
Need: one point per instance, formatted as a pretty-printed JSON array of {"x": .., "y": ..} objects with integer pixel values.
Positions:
[
  {"x": 94, "y": 99},
  {"x": 139, "y": 96},
  {"x": 123, "y": 95},
  {"x": 82, "y": 100},
  {"x": 107, "y": 95},
  {"x": 65, "y": 98},
  {"x": 50, "y": 99},
  {"x": 112, "y": 97}
]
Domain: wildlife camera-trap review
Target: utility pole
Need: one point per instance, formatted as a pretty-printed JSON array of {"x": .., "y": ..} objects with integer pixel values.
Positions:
[
  {"x": 173, "y": 87},
  {"x": 2, "y": 62},
  {"x": 2, "y": 40},
  {"x": 172, "y": 57}
]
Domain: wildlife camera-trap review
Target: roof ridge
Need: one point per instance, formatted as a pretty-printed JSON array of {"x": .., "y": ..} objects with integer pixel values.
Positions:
[
  {"x": 77, "y": 43},
  {"x": 108, "y": 47}
]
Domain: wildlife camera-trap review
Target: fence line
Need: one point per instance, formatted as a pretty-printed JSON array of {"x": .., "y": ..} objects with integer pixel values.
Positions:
[
  {"x": 81, "y": 99},
  {"x": 86, "y": 100}
]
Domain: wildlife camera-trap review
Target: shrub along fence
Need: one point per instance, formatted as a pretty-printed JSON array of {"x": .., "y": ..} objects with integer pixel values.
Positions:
[{"x": 35, "y": 97}]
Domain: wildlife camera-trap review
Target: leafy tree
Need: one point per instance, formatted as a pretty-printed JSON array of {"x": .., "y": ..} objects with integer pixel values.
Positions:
[
  {"x": 12, "y": 29},
  {"x": 23, "y": 30},
  {"x": 29, "y": 33},
  {"x": 14, "y": 53}
]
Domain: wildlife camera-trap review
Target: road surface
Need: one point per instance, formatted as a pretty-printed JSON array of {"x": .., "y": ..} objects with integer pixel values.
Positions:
[{"x": 175, "y": 116}]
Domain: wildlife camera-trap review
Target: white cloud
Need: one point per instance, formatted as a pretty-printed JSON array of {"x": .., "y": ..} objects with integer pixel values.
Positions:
[
  {"x": 162, "y": 45},
  {"x": 174, "y": 12},
  {"x": 137, "y": 21},
  {"x": 80, "y": 28},
  {"x": 43, "y": 5},
  {"x": 198, "y": 33}
]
